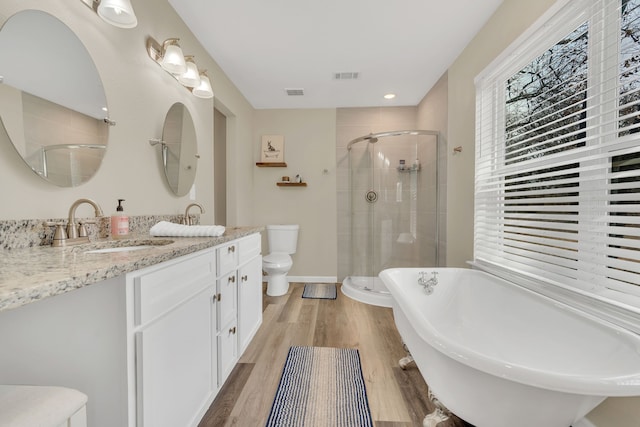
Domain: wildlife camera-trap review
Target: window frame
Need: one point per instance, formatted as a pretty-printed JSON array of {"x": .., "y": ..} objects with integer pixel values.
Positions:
[{"x": 620, "y": 305}]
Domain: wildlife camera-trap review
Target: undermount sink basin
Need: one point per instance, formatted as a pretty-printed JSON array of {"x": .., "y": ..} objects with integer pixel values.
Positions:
[
  {"x": 119, "y": 249},
  {"x": 113, "y": 246}
]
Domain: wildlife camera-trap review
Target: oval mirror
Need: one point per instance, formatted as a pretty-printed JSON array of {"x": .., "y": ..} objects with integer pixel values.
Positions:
[
  {"x": 52, "y": 102},
  {"x": 179, "y": 149}
]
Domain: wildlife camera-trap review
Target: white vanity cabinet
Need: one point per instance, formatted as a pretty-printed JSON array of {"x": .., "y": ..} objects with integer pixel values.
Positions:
[
  {"x": 227, "y": 297},
  {"x": 150, "y": 348},
  {"x": 249, "y": 290},
  {"x": 173, "y": 326},
  {"x": 239, "y": 287}
]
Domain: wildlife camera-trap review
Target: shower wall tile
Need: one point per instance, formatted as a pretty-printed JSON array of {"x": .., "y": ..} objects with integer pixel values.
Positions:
[{"x": 396, "y": 118}]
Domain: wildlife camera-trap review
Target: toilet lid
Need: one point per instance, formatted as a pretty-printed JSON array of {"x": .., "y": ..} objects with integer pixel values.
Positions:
[{"x": 277, "y": 259}]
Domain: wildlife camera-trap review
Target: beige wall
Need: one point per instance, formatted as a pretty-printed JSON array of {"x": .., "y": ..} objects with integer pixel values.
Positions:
[
  {"x": 510, "y": 20},
  {"x": 139, "y": 94},
  {"x": 432, "y": 115},
  {"x": 309, "y": 150}
]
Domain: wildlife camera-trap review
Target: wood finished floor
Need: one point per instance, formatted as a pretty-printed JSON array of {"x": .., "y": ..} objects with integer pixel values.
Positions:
[{"x": 397, "y": 398}]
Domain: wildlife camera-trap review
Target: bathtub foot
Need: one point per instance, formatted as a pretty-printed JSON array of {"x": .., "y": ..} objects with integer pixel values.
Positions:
[
  {"x": 440, "y": 414},
  {"x": 434, "y": 418},
  {"x": 405, "y": 361}
]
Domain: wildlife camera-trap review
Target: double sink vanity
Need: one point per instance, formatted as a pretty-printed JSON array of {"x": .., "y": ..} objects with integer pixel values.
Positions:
[{"x": 149, "y": 328}]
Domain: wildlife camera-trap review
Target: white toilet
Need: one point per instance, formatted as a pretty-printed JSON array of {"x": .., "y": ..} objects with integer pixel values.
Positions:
[{"x": 283, "y": 240}]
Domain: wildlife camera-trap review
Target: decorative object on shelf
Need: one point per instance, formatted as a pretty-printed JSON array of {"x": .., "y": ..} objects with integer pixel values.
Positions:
[
  {"x": 183, "y": 68},
  {"x": 285, "y": 179},
  {"x": 272, "y": 150},
  {"x": 298, "y": 179},
  {"x": 118, "y": 13}
]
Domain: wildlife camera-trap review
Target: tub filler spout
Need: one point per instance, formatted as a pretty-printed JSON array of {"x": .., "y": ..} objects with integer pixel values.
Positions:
[{"x": 428, "y": 284}]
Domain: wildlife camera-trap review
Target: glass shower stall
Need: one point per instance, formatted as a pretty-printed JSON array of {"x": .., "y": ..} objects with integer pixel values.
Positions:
[{"x": 393, "y": 192}]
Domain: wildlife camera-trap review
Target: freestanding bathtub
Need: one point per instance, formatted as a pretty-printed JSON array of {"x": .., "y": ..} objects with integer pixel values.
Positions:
[{"x": 498, "y": 355}]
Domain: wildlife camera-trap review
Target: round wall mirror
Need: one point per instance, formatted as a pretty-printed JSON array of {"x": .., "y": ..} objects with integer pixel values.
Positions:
[
  {"x": 52, "y": 102},
  {"x": 179, "y": 149}
]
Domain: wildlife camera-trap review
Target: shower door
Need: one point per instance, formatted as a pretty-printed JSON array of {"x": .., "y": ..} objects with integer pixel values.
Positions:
[{"x": 393, "y": 206}]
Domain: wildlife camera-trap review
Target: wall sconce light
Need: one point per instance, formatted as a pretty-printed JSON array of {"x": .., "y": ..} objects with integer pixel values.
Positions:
[
  {"x": 172, "y": 58},
  {"x": 191, "y": 77},
  {"x": 115, "y": 12},
  {"x": 183, "y": 68},
  {"x": 203, "y": 90}
]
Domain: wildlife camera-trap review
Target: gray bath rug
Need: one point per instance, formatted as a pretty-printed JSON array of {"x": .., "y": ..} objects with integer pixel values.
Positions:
[
  {"x": 321, "y": 386},
  {"x": 319, "y": 291}
]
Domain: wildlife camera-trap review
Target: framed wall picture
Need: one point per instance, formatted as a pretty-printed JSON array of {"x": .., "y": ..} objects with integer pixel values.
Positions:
[{"x": 272, "y": 149}]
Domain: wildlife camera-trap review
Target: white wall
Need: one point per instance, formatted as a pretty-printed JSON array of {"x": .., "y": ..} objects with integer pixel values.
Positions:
[
  {"x": 511, "y": 19},
  {"x": 139, "y": 94},
  {"x": 309, "y": 149}
]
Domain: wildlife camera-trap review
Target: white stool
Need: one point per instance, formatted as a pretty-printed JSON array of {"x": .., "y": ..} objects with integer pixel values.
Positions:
[{"x": 38, "y": 406}]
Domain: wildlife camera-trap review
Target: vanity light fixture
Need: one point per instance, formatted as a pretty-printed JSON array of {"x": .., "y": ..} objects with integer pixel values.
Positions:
[
  {"x": 118, "y": 13},
  {"x": 183, "y": 68},
  {"x": 191, "y": 77},
  {"x": 203, "y": 90},
  {"x": 172, "y": 58}
]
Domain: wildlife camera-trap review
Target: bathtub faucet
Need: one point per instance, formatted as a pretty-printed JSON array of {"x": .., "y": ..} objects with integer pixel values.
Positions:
[{"x": 428, "y": 284}]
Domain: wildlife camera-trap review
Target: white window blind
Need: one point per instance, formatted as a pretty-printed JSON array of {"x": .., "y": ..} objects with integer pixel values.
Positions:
[{"x": 557, "y": 196}]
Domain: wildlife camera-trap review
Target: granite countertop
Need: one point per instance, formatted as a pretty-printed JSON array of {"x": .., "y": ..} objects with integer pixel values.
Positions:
[{"x": 28, "y": 275}]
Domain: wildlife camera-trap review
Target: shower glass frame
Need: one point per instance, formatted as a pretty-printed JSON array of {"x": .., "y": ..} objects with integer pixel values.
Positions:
[{"x": 395, "y": 233}]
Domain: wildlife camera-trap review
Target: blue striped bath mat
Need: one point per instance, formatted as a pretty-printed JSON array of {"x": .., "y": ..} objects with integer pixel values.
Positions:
[
  {"x": 321, "y": 386},
  {"x": 319, "y": 291}
]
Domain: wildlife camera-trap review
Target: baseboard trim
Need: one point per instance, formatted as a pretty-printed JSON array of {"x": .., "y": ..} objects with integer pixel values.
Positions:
[
  {"x": 312, "y": 279},
  {"x": 583, "y": 423}
]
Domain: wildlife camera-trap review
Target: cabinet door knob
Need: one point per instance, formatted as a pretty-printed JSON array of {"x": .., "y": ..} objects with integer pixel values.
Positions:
[
  {"x": 232, "y": 330},
  {"x": 232, "y": 279},
  {"x": 217, "y": 297},
  {"x": 231, "y": 249},
  {"x": 245, "y": 278}
]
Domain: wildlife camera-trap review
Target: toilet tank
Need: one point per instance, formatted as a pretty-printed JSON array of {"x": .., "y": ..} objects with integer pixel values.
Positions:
[{"x": 282, "y": 238}]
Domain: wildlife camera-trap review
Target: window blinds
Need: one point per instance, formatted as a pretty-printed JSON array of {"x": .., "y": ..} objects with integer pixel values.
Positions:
[{"x": 557, "y": 191}]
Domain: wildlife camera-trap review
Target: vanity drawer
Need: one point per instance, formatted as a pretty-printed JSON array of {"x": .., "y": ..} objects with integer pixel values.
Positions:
[
  {"x": 250, "y": 247},
  {"x": 227, "y": 257},
  {"x": 159, "y": 288}
]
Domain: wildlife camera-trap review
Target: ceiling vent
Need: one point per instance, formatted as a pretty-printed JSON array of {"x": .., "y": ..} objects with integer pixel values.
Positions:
[
  {"x": 295, "y": 92},
  {"x": 346, "y": 76}
]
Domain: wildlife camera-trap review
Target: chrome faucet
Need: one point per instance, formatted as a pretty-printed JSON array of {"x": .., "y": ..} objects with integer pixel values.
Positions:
[
  {"x": 187, "y": 219},
  {"x": 428, "y": 284}
]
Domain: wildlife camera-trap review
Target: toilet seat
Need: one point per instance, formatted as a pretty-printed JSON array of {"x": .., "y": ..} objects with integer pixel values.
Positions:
[{"x": 277, "y": 260}]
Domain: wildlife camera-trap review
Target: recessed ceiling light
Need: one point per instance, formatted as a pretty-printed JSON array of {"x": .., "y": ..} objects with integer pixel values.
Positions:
[{"x": 390, "y": 96}]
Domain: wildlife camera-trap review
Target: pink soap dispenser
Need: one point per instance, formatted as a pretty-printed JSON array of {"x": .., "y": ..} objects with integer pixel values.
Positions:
[{"x": 119, "y": 222}]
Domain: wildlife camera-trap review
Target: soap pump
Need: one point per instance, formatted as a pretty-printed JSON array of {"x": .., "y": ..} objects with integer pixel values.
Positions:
[{"x": 119, "y": 222}]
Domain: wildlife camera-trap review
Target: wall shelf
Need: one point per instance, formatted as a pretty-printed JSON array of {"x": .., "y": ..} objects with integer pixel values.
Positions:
[
  {"x": 271, "y": 165},
  {"x": 291, "y": 184}
]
